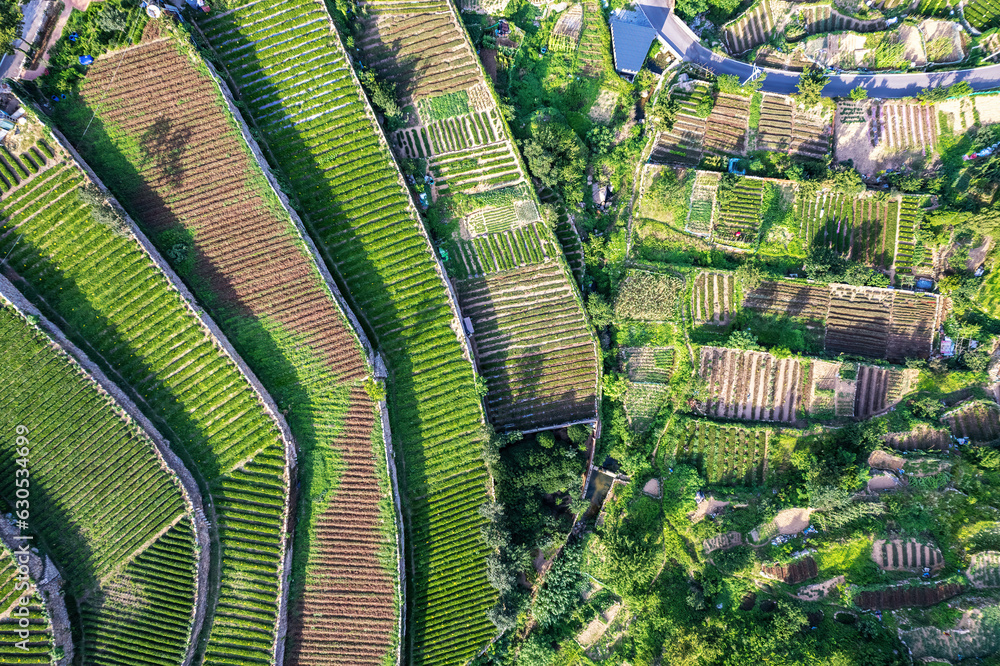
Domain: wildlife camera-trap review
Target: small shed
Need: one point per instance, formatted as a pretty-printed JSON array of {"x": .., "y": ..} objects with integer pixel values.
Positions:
[{"x": 631, "y": 37}]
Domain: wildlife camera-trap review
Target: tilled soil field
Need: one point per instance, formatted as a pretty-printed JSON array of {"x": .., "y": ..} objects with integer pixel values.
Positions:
[
  {"x": 793, "y": 573},
  {"x": 750, "y": 385},
  {"x": 894, "y": 598},
  {"x": 979, "y": 422}
]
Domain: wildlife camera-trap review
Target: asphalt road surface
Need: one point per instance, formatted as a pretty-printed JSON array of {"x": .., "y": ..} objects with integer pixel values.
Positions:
[{"x": 685, "y": 44}]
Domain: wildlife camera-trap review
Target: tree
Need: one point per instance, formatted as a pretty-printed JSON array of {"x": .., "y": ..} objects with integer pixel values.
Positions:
[
  {"x": 859, "y": 93},
  {"x": 810, "y": 87},
  {"x": 705, "y": 105},
  {"x": 600, "y": 311},
  {"x": 742, "y": 340},
  {"x": 561, "y": 591},
  {"x": 749, "y": 275},
  {"x": 382, "y": 93},
  {"x": 600, "y": 138},
  {"x": 11, "y": 24},
  {"x": 557, "y": 157}
]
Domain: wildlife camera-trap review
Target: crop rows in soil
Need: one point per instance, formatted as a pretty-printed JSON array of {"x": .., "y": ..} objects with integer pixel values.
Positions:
[
  {"x": 683, "y": 143},
  {"x": 739, "y": 215},
  {"x": 713, "y": 298},
  {"x": 872, "y": 391},
  {"x": 750, "y": 385},
  {"x": 906, "y": 554},
  {"x": 345, "y": 613},
  {"x": 532, "y": 346},
  {"x": 978, "y": 422},
  {"x": 790, "y": 299},
  {"x": 247, "y": 255},
  {"x": 793, "y": 573},
  {"x": 821, "y": 18},
  {"x": 751, "y": 30},
  {"x": 244, "y": 252},
  {"x": 914, "y": 320},
  {"x": 910, "y": 215},
  {"x": 855, "y": 227},
  {"x": 984, "y": 570},
  {"x": 858, "y": 321},
  {"x": 648, "y": 364},
  {"x": 783, "y": 127},
  {"x": 702, "y": 209},
  {"x": 590, "y": 52},
  {"x": 925, "y": 439},
  {"x": 893, "y": 598},
  {"x": 726, "y": 128},
  {"x": 424, "y": 54},
  {"x": 724, "y": 454},
  {"x": 906, "y": 126}
]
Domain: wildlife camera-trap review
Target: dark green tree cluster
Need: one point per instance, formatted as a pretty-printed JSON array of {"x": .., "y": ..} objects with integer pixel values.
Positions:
[{"x": 557, "y": 157}]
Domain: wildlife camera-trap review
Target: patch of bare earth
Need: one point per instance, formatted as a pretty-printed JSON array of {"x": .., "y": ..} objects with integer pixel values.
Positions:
[
  {"x": 818, "y": 591},
  {"x": 708, "y": 507},
  {"x": 793, "y": 521}
]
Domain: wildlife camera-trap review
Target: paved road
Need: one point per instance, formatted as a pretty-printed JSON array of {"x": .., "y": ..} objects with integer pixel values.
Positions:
[{"x": 685, "y": 44}]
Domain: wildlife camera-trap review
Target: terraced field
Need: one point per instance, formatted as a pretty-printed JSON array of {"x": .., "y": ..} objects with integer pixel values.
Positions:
[
  {"x": 144, "y": 331},
  {"x": 713, "y": 298},
  {"x": 984, "y": 570},
  {"x": 784, "y": 127},
  {"x": 865, "y": 321},
  {"x": 683, "y": 143},
  {"x": 750, "y": 385},
  {"x": 739, "y": 213},
  {"x": 422, "y": 49},
  {"x": 724, "y": 454},
  {"x": 701, "y": 212},
  {"x": 37, "y": 646},
  {"x": 358, "y": 211},
  {"x": 860, "y": 228},
  {"x": 98, "y": 531},
  {"x": 648, "y": 364},
  {"x": 880, "y": 388},
  {"x": 858, "y": 321},
  {"x": 726, "y": 126},
  {"x": 980, "y": 422},
  {"x": 251, "y": 262},
  {"x": 823, "y": 18},
  {"x": 906, "y": 555},
  {"x": 531, "y": 337},
  {"x": 750, "y": 30}
]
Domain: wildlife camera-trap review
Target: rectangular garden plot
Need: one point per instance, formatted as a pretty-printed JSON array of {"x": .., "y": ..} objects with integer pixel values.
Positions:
[
  {"x": 723, "y": 453},
  {"x": 784, "y": 298},
  {"x": 648, "y": 364},
  {"x": 749, "y": 385},
  {"x": 533, "y": 346},
  {"x": 793, "y": 573},
  {"x": 858, "y": 321},
  {"x": 739, "y": 212},
  {"x": 713, "y": 299},
  {"x": 893, "y": 598},
  {"x": 701, "y": 212},
  {"x": 683, "y": 143}
]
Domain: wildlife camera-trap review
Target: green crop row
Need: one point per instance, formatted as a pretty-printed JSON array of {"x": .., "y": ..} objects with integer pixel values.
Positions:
[{"x": 87, "y": 520}]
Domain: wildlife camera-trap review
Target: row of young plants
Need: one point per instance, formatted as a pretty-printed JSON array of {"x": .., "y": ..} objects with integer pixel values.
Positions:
[
  {"x": 82, "y": 515},
  {"x": 909, "y": 223},
  {"x": 99, "y": 284},
  {"x": 724, "y": 454},
  {"x": 360, "y": 216},
  {"x": 493, "y": 253}
]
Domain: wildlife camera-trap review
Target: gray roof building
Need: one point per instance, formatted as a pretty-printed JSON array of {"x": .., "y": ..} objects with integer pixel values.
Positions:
[{"x": 631, "y": 37}]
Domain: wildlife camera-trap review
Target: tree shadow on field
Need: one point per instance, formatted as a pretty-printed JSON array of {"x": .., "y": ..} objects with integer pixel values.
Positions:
[{"x": 164, "y": 146}]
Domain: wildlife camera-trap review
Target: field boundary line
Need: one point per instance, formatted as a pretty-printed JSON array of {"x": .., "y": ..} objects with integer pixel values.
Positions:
[{"x": 168, "y": 460}]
